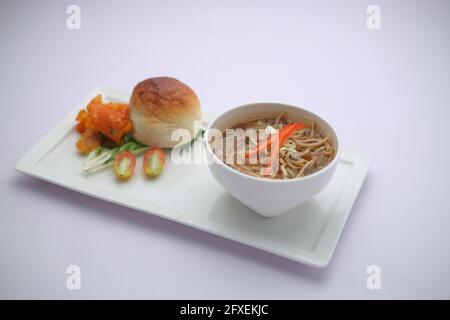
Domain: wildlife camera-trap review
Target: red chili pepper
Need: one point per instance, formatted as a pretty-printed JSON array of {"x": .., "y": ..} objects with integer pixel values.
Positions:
[
  {"x": 289, "y": 130},
  {"x": 284, "y": 134}
]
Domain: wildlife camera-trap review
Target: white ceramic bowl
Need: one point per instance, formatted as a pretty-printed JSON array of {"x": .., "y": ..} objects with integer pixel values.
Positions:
[{"x": 269, "y": 197}]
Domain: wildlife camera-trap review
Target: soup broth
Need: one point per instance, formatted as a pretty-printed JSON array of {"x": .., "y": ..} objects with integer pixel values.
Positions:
[{"x": 275, "y": 148}]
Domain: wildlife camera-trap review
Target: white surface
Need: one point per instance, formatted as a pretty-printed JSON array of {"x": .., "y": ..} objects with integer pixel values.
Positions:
[
  {"x": 307, "y": 234},
  {"x": 269, "y": 197},
  {"x": 385, "y": 91}
]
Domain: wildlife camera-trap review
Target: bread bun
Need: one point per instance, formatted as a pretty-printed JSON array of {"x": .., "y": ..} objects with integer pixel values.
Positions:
[{"x": 160, "y": 105}]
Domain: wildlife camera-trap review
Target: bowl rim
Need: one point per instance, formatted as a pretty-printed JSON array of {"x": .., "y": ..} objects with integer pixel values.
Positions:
[{"x": 261, "y": 179}]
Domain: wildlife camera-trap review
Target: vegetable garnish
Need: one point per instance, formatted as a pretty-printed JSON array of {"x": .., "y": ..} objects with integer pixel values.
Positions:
[
  {"x": 289, "y": 130},
  {"x": 154, "y": 160},
  {"x": 263, "y": 145},
  {"x": 124, "y": 164},
  {"x": 103, "y": 157},
  {"x": 199, "y": 134},
  {"x": 285, "y": 133},
  {"x": 277, "y": 141}
]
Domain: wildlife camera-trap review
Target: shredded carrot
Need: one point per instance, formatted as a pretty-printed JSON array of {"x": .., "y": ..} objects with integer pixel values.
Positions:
[
  {"x": 263, "y": 145},
  {"x": 276, "y": 141},
  {"x": 287, "y": 131}
]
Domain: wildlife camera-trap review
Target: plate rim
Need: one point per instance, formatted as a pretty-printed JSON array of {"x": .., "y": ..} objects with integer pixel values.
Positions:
[{"x": 28, "y": 165}]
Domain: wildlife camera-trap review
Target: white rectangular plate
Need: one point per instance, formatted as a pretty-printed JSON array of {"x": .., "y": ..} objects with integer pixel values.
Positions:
[{"x": 188, "y": 194}]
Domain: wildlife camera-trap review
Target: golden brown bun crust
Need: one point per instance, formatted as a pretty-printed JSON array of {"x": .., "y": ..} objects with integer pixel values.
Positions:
[
  {"x": 162, "y": 95},
  {"x": 159, "y": 106}
]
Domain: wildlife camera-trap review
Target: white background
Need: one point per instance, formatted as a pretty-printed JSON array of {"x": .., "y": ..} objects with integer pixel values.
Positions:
[{"x": 386, "y": 92}]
